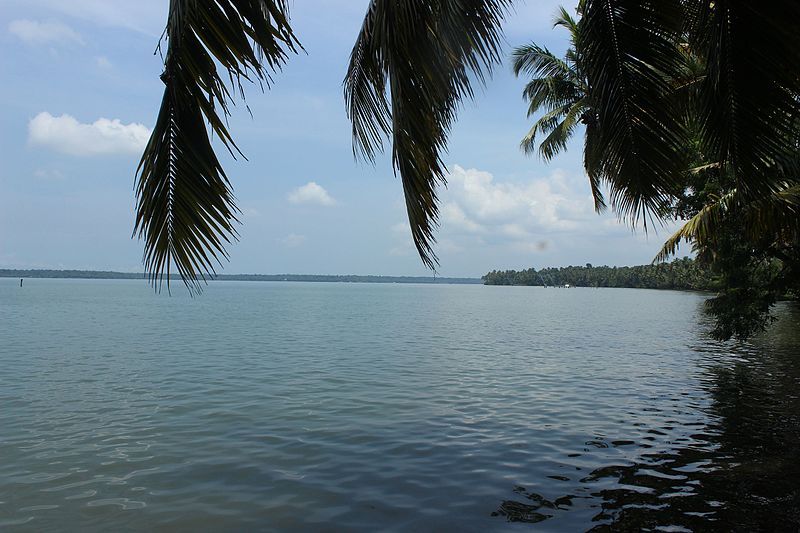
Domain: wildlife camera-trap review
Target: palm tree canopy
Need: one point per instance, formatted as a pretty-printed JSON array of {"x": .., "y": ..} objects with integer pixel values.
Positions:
[
  {"x": 748, "y": 101},
  {"x": 559, "y": 87},
  {"x": 743, "y": 107},
  {"x": 638, "y": 142},
  {"x": 414, "y": 61}
]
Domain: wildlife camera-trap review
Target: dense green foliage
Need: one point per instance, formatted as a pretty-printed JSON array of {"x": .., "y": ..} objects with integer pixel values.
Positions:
[
  {"x": 686, "y": 119},
  {"x": 682, "y": 274}
]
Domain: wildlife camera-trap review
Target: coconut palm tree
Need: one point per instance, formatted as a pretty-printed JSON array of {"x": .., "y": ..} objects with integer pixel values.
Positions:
[
  {"x": 773, "y": 220},
  {"x": 753, "y": 249},
  {"x": 742, "y": 110},
  {"x": 415, "y": 60},
  {"x": 559, "y": 88}
]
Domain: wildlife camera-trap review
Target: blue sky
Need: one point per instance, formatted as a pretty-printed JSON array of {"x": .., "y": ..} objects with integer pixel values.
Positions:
[{"x": 81, "y": 90}]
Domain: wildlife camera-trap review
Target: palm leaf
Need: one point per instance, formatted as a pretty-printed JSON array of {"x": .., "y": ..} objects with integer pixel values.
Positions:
[
  {"x": 591, "y": 157},
  {"x": 699, "y": 228},
  {"x": 772, "y": 217},
  {"x": 565, "y": 19},
  {"x": 412, "y": 64},
  {"x": 185, "y": 207},
  {"x": 638, "y": 144},
  {"x": 537, "y": 61},
  {"x": 550, "y": 92},
  {"x": 748, "y": 99},
  {"x": 545, "y": 124},
  {"x": 556, "y": 140}
]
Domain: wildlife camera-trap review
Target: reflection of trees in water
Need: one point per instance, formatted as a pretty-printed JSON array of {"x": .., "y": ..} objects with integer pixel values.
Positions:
[{"x": 739, "y": 473}]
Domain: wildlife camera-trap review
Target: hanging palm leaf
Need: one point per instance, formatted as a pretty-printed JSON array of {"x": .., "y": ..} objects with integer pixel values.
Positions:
[
  {"x": 748, "y": 100},
  {"x": 629, "y": 56},
  {"x": 410, "y": 67},
  {"x": 185, "y": 207},
  {"x": 770, "y": 219}
]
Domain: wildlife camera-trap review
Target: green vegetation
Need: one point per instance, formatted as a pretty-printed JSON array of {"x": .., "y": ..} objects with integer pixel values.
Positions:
[
  {"x": 70, "y": 274},
  {"x": 678, "y": 128},
  {"x": 94, "y": 274},
  {"x": 680, "y": 274}
]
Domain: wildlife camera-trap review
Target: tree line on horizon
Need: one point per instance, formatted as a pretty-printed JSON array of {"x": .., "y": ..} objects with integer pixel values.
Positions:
[
  {"x": 680, "y": 274},
  {"x": 330, "y": 278}
]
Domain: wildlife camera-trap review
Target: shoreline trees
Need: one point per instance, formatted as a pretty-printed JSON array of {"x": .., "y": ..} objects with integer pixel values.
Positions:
[{"x": 680, "y": 274}]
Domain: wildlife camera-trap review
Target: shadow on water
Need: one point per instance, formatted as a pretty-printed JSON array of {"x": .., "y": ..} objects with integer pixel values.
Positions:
[{"x": 738, "y": 471}]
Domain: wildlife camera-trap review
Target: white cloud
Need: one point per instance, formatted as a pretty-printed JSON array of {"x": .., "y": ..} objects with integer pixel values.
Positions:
[
  {"x": 311, "y": 193},
  {"x": 543, "y": 217},
  {"x": 35, "y": 32},
  {"x": 251, "y": 212},
  {"x": 401, "y": 228},
  {"x": 49, "y": 174},
  {"x": 66, "y": 135},
  {"x": 293, "y": 240},
  {"x": 453, "y": 215},
  {"x": 547, "y": 217},
  {"x": 103, "y": 62},
  {"x": 475, "y": 203},
  {"x": 146, "y": 16}
]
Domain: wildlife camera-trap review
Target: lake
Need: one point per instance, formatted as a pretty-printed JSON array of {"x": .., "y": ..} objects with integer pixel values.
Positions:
[{"x": 360, "y": 407}]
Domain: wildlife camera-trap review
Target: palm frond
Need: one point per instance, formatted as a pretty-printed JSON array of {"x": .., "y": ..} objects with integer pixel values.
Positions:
[
  {"x": 638, "y": 144},
  {"x": 538, "y": 62},
  {"x": 748, "y": 100},
  {"x": 772, "y": 217},
  {"x": 545, "y": 124},
  {"x": 697, "y": 229},
  {"x": 556, "y": 140},
  {"x": 591, "y": 157},
  {"x": 424, "y": 54},
  {"x": 550, "y": 92},
  {"x": 776, "y": 215},
  {"x": 565, "y": 19},
  {"x": 185, "y": 207}
]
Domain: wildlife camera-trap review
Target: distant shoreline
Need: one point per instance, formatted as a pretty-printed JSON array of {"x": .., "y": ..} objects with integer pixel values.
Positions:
[{"x": 108, "y": 274}]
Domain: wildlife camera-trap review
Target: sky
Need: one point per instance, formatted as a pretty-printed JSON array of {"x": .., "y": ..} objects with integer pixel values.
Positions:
[{"x": 81, "y": 91}]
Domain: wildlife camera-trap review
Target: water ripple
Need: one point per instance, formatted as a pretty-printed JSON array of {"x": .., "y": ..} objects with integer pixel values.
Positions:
[{"x": 401, "y": 408}]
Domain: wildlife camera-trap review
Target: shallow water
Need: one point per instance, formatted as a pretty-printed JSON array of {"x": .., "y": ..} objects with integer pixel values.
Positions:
[{"x": 277, "y": 406}]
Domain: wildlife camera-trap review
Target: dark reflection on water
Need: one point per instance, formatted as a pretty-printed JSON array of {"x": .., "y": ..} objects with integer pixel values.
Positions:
[{"x": 737, "y": 471}]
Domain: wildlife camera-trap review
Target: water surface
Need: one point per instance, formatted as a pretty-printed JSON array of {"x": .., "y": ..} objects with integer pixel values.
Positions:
[{"x": 302, "y": 406}]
